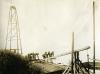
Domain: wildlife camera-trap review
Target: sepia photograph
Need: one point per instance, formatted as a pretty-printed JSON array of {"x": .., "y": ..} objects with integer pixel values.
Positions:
[{"x": 49, "y": 36}]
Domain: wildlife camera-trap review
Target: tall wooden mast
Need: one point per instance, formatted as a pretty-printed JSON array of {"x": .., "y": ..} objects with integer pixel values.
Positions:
[{"x": 93, "y": 37}]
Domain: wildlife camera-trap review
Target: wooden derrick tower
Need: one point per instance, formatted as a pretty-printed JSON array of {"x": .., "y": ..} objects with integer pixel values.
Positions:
[{"x": 13, "y": 40}]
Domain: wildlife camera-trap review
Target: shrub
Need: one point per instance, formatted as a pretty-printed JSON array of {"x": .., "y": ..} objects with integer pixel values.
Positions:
[{"x": 11, "y": 63}]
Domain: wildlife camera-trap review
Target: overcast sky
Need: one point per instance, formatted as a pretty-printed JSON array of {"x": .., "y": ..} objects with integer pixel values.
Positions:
[{"x": 48, "y": 24}]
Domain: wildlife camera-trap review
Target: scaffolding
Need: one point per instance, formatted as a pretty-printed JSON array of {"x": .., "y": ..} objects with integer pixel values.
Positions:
[{"x": 13, "y": 40}]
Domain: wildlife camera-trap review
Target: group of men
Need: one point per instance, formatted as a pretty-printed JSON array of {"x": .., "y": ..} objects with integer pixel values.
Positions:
[
  {"x": 48, "y": 54},
  {"x": 33, "y": 56}
]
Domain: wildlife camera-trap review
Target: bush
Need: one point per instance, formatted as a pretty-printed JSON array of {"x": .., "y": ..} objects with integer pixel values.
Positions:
[{"x": 11, "y": 63}]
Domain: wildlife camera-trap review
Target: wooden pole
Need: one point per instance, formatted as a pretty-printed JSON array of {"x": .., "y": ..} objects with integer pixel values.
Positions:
[
  {"x": 93, "y": 37},
  {"x": 72, "y": 55}
]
